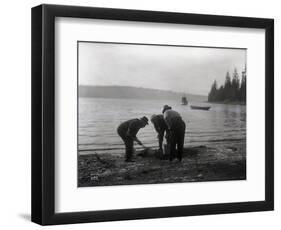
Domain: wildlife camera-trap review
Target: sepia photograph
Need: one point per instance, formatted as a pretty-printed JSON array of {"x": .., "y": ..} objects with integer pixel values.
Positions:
[{"x": 151, "y": 113}]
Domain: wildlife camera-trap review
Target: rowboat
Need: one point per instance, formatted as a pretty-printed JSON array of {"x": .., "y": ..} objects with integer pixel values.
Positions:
[{"x": 200, "y": 107}]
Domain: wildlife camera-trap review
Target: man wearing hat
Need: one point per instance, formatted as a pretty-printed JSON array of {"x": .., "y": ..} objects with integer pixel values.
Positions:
[
  {"x": 176, "y": 131},
  {"x": 128, "y": 131}
]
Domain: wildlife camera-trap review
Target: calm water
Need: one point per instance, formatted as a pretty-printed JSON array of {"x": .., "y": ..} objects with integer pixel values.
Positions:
[{"x": 100, "y": 117}]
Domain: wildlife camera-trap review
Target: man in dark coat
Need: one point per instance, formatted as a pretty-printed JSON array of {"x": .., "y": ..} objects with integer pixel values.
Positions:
[
  {"x": 160, "y": 127},
  {"x": 128, "y": 131},
  {"x": 176, "y": 131}
]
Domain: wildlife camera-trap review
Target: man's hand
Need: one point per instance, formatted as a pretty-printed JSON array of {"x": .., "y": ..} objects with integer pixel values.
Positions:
[{"x": 138, "y": 141}]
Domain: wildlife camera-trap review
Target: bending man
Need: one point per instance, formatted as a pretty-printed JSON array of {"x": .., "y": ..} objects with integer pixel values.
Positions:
[
  {"x": 128, "y": 131},
  {"x": 160, "y": 127}
]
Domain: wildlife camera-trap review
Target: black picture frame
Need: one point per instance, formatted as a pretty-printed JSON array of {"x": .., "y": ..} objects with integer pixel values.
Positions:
[{"x": 43, "y": 114}]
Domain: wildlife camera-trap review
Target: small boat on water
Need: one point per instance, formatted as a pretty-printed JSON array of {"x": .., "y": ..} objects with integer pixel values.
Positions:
[
  {"x": 200, "y": 107},
  {"x": 184, "y": 101}
]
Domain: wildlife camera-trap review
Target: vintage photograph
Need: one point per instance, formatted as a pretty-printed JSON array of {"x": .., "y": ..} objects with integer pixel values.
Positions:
[{"x": 150, "y": 113}]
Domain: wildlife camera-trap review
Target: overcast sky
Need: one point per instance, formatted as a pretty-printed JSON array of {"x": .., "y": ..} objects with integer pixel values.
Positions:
[{"x": 180, "y": 69}]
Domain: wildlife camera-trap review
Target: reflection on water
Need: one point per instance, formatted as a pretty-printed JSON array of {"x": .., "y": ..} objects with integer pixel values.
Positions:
[{"x": 99, "y": 118}]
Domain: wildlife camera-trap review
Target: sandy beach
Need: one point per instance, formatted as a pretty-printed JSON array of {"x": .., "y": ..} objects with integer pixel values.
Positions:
[{"x": 200, "y": 163}]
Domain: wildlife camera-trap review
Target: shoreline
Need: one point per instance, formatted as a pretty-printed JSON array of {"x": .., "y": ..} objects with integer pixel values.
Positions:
[
  {"x": 199, "y": 163},
  {"x": 226, "y": 103}
]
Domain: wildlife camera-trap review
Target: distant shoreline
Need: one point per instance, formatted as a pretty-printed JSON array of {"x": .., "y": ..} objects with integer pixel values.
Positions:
[
  {"x": 134, "y": 98},
  {"x": 135, "y": 92},
  {"x": 226, "y": 102}
]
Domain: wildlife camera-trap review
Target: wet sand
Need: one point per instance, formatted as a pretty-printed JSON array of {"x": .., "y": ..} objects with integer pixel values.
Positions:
[{"x": 200, "y": 163}]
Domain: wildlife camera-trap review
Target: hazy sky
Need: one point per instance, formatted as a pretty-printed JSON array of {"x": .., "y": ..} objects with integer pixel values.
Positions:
[{"x": 181, "y": 69}]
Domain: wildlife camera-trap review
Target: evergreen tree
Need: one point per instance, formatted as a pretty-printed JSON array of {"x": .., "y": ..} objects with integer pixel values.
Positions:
[
  {"x": 243, "y": 86},
  {"x": 220, "y": 94},
  {"x": 235, "y": 86},
  {"x": 213, "y": 92},
  {"x": 227, "y": 87}
]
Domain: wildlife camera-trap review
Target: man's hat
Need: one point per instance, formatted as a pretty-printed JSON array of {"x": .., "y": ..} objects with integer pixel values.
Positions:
[
  {"x": 144, "y": 119},
  {"x": 153, "y": 117},
  {"x": 166, "y": 107}
]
